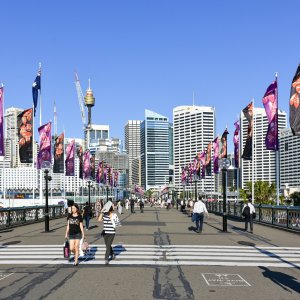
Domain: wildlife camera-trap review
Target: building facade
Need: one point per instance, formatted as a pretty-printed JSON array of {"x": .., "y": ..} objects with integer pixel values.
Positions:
[
  {"x": 194, "y": 128},
  {"x": 289, "y": 162},
  {"x": 133, "y": 148},
  {"x": 154, "y": 150}
]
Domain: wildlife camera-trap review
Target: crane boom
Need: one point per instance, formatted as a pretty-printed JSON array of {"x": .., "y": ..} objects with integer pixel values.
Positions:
[{"x": 80, "y": 99}]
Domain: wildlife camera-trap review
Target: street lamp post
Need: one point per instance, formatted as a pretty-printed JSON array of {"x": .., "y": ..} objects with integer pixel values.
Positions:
[
  {"x": 225, "y": 166},
  {"x": 89, "y": 189},
  {"x": 117, "y": 194},
  {"x": 196, "y": 186},
  {"x": 46, "y": 165},
  {"x": 107, "y": 189}
]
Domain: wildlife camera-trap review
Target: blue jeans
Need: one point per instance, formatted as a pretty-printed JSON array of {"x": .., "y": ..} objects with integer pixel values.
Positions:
[
  {"x": 199, "y": 221},
  {"x": 87, "y": 221}
]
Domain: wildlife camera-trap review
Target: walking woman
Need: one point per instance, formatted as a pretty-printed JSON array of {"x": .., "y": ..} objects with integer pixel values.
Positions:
[
  {"x": 74, "y": 231},
  {"x": 110, "y": 222}
]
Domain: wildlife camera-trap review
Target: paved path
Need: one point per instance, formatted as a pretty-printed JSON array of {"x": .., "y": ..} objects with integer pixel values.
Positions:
[{"x": 159, "y": 256}]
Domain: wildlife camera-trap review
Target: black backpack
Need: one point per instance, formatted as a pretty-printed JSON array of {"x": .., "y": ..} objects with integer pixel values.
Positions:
[{"x": 246, "y": 212}]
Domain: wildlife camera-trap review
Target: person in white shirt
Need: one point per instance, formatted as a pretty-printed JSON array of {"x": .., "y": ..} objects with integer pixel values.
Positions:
[
  {"x": 198, "y": 215},
  {"x": 248, "y": 211}
]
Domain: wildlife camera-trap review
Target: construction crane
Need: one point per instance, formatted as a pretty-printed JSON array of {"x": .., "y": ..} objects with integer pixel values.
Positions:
[{"x": 80, "y": 100}]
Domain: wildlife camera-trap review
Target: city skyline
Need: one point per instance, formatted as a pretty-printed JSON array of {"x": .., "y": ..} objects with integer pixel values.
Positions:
[{"x": 143, "y": 55}]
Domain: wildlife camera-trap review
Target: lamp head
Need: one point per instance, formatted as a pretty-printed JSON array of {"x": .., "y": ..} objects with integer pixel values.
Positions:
[
  {"x": 46, "y": 166},
  {"x": 225, "y": 163}
]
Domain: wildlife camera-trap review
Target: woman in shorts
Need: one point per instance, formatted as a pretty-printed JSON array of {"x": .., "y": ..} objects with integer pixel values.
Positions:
[{"x": 75, "y": 231}]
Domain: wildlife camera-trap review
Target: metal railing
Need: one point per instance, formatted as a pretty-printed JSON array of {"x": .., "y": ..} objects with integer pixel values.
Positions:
[
  {"x": 279, "y": 216},
  {"x": 10, "y": 217}
]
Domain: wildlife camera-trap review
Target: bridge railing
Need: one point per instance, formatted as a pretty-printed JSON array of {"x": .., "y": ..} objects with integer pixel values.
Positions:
[
  {"x": 280, "y": 216},
  {"x": 25, "y": 215}
]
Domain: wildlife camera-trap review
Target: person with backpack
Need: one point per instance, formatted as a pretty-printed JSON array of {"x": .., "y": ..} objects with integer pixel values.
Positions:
[
  {"x": 248, "y": 212},
  {"x": 87, "y": 214}
]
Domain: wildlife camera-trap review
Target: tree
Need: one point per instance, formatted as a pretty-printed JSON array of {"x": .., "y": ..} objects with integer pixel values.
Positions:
[{"x": 296, "y": 197}]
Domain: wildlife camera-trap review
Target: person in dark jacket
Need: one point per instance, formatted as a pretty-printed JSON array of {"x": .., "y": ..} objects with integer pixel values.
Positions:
[{"x": 87, "y": 214}]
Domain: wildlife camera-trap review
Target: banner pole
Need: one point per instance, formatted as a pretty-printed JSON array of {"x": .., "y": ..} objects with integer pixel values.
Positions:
[
  {"x": 253, "y": 156},
  {"x": 277, "y": 150}
]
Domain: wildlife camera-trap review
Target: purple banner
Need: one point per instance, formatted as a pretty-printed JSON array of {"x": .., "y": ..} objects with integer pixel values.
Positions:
[
  {"x": 236, "y": 142},
  {"x": 208, "y": 160},
  {"x": 223, "y": 153},
  {"x": 86, "y": 165},
  {"x": 248, "y": 113},
  {"x": 70, "y": 159},
  {"x": 25, "y": 135},
  {"x": 45, "y": 145},
  {"x": 138, "y": 190},
  {"x": 270, "y": 103},
  {"x": 202, "y": 159},
  {"x": 116, "y": 178},
  {"x": 295, "y": 103},
  {"x": 2, "y": 150},
  {"x": 216, "y": 155},
  {"x": 58, "y": 166}
]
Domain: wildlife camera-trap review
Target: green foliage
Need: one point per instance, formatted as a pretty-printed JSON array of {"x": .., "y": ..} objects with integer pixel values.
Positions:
[{"x": 263, "y": 192}]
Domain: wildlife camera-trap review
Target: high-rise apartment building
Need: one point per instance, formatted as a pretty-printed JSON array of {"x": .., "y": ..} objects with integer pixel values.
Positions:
[
  {"x": 154, "y": 150},
  {"x": 133, "y": 147},
  {"x": 289, "y": 146},
  {"x": 194, "y": 128},
  {"x": 263, "y": 160}
]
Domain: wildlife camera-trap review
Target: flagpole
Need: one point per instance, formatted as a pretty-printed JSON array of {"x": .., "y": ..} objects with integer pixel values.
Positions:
[
  {"x": 277, "y": 150},
  {"x": 64, "y": 166},
  {"x": 33, "y": 159},
  {"x": 40, "y": 100},
  {"x": 3, "y": 181},
  {"x": 253, "y": 164}
]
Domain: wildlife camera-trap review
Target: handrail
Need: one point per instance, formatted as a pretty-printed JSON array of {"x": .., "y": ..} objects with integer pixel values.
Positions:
[
  {"x": 10, "y": 217},
  {"x": 278, "y": 216}
]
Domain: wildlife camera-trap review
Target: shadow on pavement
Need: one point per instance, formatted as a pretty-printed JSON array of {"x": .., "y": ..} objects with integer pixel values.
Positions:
[
  {"x": 285, "y": 281},
  {"x": 11, "y": 243}
]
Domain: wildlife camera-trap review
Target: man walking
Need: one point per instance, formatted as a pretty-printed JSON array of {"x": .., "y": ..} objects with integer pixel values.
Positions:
[
  {"x": 132, "y": 202},
  {"x": 198, "y": 215},
  {"x": 248, "y": 212}
]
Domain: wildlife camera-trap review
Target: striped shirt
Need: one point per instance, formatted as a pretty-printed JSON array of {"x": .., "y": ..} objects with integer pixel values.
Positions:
[{"x": 108, "y": 225}]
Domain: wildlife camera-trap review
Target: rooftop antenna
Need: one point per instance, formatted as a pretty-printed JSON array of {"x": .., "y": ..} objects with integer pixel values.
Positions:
[{"x": 193, "y": 99}]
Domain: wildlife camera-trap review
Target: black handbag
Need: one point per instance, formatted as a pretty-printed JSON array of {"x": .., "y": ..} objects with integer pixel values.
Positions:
[{"x": 254, "y": 215}]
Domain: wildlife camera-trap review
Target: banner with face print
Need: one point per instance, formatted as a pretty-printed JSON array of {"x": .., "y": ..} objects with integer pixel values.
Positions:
[
  {"x": 86, "y": 165},
  {"x": 216, "y": 155},
  {"x": 24, "y": 121},
  {"x": 70, "y": 159},
  {"x": 1, "y": 123},
  {"x": 45, "y": 145},
  {"x": 59, "y": 142}
]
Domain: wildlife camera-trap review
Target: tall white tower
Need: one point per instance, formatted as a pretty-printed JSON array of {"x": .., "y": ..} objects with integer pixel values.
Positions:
[
  {"x": 194, "y": 128},
  {"x": 133, "y": 147}
]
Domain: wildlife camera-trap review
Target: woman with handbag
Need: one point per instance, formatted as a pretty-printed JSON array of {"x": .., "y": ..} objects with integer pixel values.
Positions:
[
  {"x": 110, "y": 222},
  {"x": 75, "y": 231}
]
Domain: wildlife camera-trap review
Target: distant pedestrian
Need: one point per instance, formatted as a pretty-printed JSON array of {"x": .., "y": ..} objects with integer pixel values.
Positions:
[
  {"x": 198, "y": 215},
  {"x": 127, "y": 204},
  {"x": 169, "y": 203},
  {"x": 248, "y": 213},
  {"x": 120, "y": 207},
  {"x": 132, "y": 202},
  {"x": 142, "y": 204},
  {"x": 87, "y": 214},
  {"x": 74, "y": 231},
  {"x": 110, "y": 222}
]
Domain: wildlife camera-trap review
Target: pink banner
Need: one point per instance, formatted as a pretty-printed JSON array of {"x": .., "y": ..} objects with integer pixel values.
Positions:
[
  {"x": 216, "y": 155},
  {"x": 202, "y": 159},
  {"x": 236, "y": 142},
  {"x": 45, "y": 145},
  {"x": 70, "y": 159},
  {"x": 86, "y": 165},
  {"x": 270, "y": 103}
]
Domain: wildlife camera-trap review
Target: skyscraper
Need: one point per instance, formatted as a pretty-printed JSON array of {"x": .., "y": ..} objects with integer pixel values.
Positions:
[
  {"x": 194, "y": 128},
  {"x": 263, "y": 159},
  {"x": 133, "y": 147},
  {"x": 154, "y": 150}
]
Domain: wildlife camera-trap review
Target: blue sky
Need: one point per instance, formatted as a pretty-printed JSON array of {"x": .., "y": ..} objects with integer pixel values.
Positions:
[{"x": 147, "y": 55}]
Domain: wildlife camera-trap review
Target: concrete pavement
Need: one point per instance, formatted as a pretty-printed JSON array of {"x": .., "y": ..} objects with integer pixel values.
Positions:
[{"x": 160, "y": 257}]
